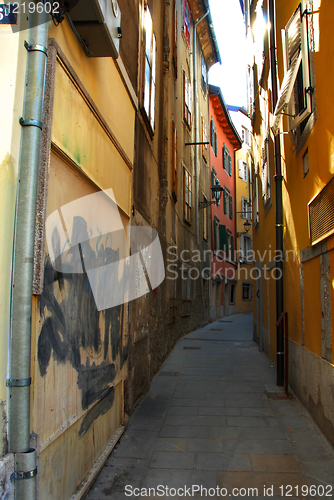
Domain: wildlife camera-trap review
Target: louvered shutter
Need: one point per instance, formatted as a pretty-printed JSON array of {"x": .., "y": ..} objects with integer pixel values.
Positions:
[
  {"x": 225, "y": 201},
  {"x": 265, "y": 168},
  {"x": 241, "y": 247},
  {"x": 223, "y": 238},
  {"x": 296, "y": 58},
  {"x": 241, "y": 168},
  {"x": 232, "y": 248},
  {"x": 231, "y": 207},
  {"x": 229, "y": 165}
]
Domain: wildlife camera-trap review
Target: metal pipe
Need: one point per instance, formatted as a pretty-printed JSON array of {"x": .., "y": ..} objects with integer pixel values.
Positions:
[
  {"x": 279, "y": 201},
  {"x": 21, "y": 300},
  {"x": 195, "y": 124}
]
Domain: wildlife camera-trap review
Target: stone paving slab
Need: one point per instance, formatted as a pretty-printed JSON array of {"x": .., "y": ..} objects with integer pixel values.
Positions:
[{"x": 207, "y": 422}]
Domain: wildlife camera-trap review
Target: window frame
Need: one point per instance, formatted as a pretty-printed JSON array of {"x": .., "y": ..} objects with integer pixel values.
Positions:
[
  {"x": 297, "y": 76},
  {"x": 174, "y": 163},
  {"x": 187, "y": 190},
  {"x": 187, "y": 22},
  {"x": 187, "y": 101},
  {"x": 149, "y": 70}
]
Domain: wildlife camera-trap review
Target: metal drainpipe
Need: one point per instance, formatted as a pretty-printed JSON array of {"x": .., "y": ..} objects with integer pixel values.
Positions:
[
  {"x": 21, "y": 300},
  {"x": 279, "y": 202},
  {"x": 195, "y": 123}
]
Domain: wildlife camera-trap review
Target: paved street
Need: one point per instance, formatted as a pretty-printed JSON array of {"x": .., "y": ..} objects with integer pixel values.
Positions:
[{"x": 207, "y": 422}]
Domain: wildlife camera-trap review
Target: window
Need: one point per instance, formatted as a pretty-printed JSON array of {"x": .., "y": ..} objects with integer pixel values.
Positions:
[
  {"x": 266, "y": 173},
  {"x": 228, "y": 203},
  {"x": 186, "y": 21},
  {"x": 174, "y": 46},
  {"x": 204, "y": 139},
  {"x": 230, "y": 207},
  {"x": 256, "y": 197},
  {"x": 213, "y": 136},
  {"x": 242, "y": 170},
  {"x": 187, "y": 196},
  {"x": 174, "y": 162},
  {"x": 226, "y": 241},
  {"x": 149, "y": 67},
  {"x": 205, "y": 219},
  {"x": 216, "y": 233},
  {"x": 246, "y": 247},
  {"x": 250, "y": 93},
  {"x": 186, "y": 99},
  {"x": 204, "y": 75},
  {"x": 227, "y": 160},
  {"x": 296, "y": 90},
  {"x": 232, "y": 293},
  {"x": 245, "y": 135},
  {"x": 246, "y": 291},
  {"x": 246, "y": 207},
  {"x": 321, "y": 214}
]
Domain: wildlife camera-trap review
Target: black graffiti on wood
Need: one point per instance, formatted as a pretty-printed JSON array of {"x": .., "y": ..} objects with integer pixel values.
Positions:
[
  {"x": 98, "y": 409},
  {"x": 72, "y": 325}
]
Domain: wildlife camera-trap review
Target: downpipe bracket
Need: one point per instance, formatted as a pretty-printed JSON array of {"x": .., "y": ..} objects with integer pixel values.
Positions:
[
  {"x": 18, "y": 382},
  {"x": 31, "y": 123},
  {"x": 35, "y": 48},
  {"x": 23, "y": 475}
]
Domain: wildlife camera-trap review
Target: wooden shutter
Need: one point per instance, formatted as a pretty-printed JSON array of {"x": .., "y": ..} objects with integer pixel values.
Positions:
[
  {"x": 296, "y": 62},
  {"x": 241, "y": 168},
  {"x": 232, "y": 248},
  {"x": 174, "y": 162},
  {"x": 231, "y": 207},
  {"x": 225, "y": 201},
  {"x": 215, "y": 224},
  {"x": 223, "y": 239},
  {"x": 229, "y": 165}
]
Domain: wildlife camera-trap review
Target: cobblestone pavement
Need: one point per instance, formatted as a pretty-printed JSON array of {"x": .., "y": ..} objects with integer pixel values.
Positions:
[{"x": 207, "y": 424}]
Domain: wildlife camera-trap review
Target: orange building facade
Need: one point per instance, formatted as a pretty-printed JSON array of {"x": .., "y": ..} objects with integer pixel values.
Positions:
[{"x": 224, "y": 141}]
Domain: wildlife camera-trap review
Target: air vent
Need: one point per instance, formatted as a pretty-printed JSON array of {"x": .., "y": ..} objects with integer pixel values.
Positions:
[{"x": 321, "y": 214}]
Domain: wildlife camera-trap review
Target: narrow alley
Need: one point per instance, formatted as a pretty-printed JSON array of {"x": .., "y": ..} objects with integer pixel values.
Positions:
[{"x": 207, "y": 423}]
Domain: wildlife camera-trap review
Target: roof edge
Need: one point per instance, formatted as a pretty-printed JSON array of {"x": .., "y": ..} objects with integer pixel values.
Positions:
[{"x": 213, "y": 90}]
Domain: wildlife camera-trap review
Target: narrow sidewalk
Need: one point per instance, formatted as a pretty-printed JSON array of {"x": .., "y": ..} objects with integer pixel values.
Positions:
[{"x": 207, "y": 423}]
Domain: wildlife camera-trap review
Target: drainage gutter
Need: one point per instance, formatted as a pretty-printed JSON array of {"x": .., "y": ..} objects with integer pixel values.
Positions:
[
  {"x": 279, "y": 201},
  {"x": 19, "y": 379}
]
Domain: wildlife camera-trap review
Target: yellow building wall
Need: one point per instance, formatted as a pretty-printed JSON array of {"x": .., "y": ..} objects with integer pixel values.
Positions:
[{"x": 244, "y": 270}]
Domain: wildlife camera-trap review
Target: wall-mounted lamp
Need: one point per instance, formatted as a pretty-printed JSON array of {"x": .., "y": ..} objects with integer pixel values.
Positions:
[
  {"x": 247, "y": 226},
  {"x": 216, "y": 195}
]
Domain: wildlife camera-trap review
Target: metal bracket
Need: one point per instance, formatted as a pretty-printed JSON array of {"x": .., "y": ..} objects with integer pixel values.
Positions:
[
  {"x": 18, "y": 382},
  {"x": 23, "y": 475},
  {"x": 309, "y": 90},
  {"x": 35, "y": 48},
  {"x": 31, "y": 123}
]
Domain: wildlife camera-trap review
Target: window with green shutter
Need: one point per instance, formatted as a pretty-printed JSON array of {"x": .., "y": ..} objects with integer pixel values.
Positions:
[
  {"x": 224, "y": 157},
  {"x": 225, "y": 201},
  {"x": 229, "y": 165},
  {"x": 215, "y": 225},
  {"x": 223, "y": 240},
  {"x": 232, "y": 248},
  {"x": 231, "y": 207},
  {"x": 211, "y": 132}
]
